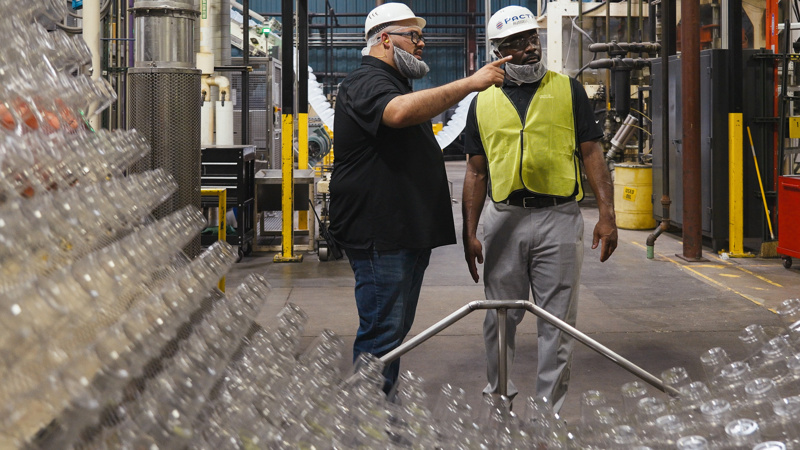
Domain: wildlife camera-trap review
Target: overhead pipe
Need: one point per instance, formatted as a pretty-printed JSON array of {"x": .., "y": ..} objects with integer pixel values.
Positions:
[
  {"x": 692, "y": 183},
  {"x": 217, "y": 116},
  {"x": 667, "y": 49},
  {"x": 621, "y": 67}
]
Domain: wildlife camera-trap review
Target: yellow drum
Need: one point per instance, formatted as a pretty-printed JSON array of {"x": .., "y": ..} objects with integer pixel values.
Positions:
[{"x": 633, "y": 192}]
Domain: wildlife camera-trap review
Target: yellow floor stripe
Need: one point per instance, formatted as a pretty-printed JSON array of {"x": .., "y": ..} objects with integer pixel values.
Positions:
[
  {"x": 758, "y": 276},
  {"x": 707, "y": 278}
]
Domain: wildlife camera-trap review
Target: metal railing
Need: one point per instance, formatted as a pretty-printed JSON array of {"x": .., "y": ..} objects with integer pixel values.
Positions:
[{"x": 502, "y": 307}]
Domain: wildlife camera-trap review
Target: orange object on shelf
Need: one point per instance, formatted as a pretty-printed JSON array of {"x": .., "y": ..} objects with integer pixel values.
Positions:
[
  {"x": 6, "y": 118},
  {"x": 25, "y": 113}
]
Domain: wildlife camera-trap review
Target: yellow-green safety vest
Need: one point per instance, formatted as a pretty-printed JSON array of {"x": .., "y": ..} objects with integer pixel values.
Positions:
[{"x": 540, "y": 157}]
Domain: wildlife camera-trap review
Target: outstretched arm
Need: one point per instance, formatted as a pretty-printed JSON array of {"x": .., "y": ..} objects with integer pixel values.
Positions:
[
  {"x": 417, "y": 107},
  {"x": 473, "y": 198},
  {"x": 600, "y": 181}
]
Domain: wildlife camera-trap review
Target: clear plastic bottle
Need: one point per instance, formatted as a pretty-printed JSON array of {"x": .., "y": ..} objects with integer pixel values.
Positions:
[
  {"x": 761, "y": 393},
  {"x": 783, "y": 426},
  {"x": 632, "y": 392},
  {"x": 713, "y": 360},
  {"x": 772, "y": 358},
  {"x": 742, "y": 434},
  {"x": 670, "y": 428},
  {"x": 789, "y": 311},
  {"x": 788, "y": 384},
  {"x": 731, "y": 381},
  {"x": 675, "y": 377},
  {"x": 693, "y": 442},
  {"x": 716, "y": 414},
  {"x": 753, "y": 337}
]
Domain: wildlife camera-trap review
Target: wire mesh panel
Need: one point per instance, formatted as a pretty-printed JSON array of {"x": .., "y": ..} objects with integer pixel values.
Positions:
[{"x": 164, "y": 106}]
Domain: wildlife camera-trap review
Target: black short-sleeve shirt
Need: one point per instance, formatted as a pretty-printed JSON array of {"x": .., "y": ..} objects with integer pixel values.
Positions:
[
  {"x": 389, "y": 186},
  {"x": 520, "y": 95}
]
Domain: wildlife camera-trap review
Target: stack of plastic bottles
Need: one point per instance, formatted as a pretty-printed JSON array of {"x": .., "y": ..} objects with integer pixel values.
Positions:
[
  {"x": 104, "y": 321},
  {"x": 274, "y": 398},
  {"x": 111, "y": 338}
]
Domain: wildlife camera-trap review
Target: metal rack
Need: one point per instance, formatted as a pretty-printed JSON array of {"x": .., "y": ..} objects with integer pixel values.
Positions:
[{"x": 232, "y": 168}]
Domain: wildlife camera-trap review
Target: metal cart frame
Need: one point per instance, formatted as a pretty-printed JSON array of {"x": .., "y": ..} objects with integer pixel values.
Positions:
[{"x": 502, "y": 307}]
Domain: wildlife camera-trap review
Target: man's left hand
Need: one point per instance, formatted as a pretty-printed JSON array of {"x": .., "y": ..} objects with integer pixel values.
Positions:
[{"x": 605, "y": 230}]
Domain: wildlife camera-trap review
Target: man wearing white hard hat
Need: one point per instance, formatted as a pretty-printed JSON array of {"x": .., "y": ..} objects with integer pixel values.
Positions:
[
  {"x": 390, "y": 199},
  {"x": 525, "y": 142}
]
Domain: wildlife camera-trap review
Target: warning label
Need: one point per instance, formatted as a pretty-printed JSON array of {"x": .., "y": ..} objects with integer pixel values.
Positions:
[{"x": 629, "y": 194}]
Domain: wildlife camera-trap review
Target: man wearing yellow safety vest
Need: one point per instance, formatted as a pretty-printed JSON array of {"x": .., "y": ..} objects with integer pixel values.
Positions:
[{"x": 525, "y": 142}]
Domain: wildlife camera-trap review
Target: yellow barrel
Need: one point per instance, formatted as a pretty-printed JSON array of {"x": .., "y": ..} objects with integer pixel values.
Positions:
[{"x": 633, "y": 192}]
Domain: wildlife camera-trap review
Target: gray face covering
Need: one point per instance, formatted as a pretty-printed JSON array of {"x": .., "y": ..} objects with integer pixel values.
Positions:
[
  {"x": 409, "y": 66},
  {"x": 526, "y": 73}
]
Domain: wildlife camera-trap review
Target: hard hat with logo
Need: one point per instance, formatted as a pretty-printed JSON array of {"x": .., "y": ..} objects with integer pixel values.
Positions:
[
  {"x": 510, "y": 20},
  {"x": 387, "y": 13}
]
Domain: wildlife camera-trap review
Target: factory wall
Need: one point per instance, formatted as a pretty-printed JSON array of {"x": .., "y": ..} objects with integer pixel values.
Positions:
[{"x": 446, "y": 54}]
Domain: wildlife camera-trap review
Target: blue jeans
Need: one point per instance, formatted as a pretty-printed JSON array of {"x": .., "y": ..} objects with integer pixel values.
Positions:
[{"x": 387, "y": 291}]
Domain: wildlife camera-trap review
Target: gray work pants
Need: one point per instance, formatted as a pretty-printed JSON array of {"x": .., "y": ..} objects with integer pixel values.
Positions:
[{"x": 538, "y": 250}]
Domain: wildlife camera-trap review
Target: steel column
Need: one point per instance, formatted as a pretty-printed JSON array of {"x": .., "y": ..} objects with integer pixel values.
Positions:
[
  {"x": 690, "y": 72},
  {"x": 667, "y": 49},
  {"x": 287, "y": 152},
  {"x": 302, "y": 97}
]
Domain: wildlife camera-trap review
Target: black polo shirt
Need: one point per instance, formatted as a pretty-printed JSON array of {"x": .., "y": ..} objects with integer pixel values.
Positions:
[{"x": 389, "y": 187}]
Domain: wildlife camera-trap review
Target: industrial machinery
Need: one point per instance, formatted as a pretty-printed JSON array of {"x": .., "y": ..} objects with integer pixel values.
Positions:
[{"x": 264, "y": 113}]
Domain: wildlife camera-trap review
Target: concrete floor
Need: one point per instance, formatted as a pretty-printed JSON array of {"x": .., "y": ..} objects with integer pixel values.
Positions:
[{"x": 658, "y": 313}]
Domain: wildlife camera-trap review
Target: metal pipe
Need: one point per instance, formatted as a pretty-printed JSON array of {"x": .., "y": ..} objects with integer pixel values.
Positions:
[
  {"x": 430, "y": 332},
  {"x": 246, "y": 73},
  {"x": 119, "y": 45},
  {"x": 487, "y": 12},
  {"x": 641, "y": 21},
  {"x": 623, "y": 135},
  {"x": 91, "y": 34},
  {"x": 539, "y": 312},
  {"x": 580, "y": 40},
  {"x": 472, "y": 43},
  {"x": 787, "y": 39},
  {"x": 667, "y": 49},
  {"x": 502, "y": 352},
  {"x": 628, "y": 24},
  {"x": 608, "y": 72},
  {"x": 690, "y": 74}
]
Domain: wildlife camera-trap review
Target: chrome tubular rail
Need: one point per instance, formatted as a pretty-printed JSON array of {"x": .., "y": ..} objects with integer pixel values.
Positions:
[{"x": 502, "y": 306}]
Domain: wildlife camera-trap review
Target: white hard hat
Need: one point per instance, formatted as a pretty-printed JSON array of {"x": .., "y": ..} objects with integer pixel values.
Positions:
[
  {"x": 389, "y": 12},
  {"x": 510, "y": 20}
]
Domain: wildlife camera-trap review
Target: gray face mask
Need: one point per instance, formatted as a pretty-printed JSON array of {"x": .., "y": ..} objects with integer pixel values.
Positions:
[
  {"x": 409, "y": 66},
  {"x": 526, "y": 73}
]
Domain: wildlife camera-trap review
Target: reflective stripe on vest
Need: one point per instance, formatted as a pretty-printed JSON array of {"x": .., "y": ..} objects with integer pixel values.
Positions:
[{"x": 546, "y": 148}]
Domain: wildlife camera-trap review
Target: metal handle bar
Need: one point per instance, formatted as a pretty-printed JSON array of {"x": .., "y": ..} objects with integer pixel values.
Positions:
[{"x": 502, "y": 306}]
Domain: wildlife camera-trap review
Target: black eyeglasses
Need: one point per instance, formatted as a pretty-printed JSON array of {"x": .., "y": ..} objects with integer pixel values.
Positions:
[
  {"x": 520, "y": 43},
  {"x": 415, "y": 37}
]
